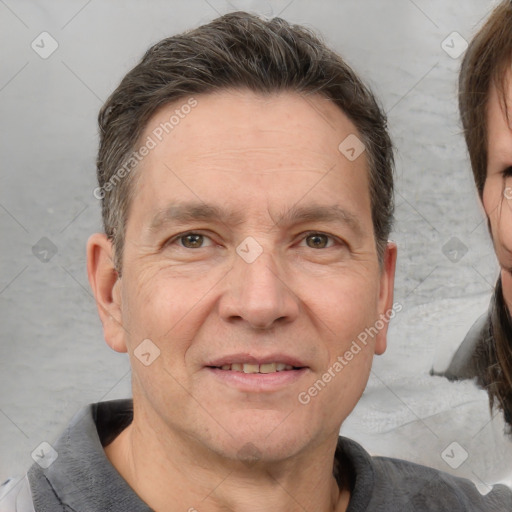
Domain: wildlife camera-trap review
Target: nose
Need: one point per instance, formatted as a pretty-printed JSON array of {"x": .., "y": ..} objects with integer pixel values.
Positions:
[{"x": 257, "y": 294}]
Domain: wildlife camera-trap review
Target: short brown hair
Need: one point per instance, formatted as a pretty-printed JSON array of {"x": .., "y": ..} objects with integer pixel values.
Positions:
[
  {"x": 486, "y": 63},
  {"x": 236, "y": 51}
]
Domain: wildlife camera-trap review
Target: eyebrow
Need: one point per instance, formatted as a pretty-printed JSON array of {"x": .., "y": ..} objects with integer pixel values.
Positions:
[
  {"x": 193, "y": 211},
  {"x": 320, "y": 213},
  {"x": 198, "y": 211}
]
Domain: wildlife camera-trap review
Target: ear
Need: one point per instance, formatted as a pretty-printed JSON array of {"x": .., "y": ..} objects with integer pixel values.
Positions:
[
  {"x": 105, "y": 283},
  {"x": 387, "y": 285}
]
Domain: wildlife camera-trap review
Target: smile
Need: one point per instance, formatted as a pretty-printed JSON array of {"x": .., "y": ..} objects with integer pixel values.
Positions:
[{"x": 257, "y": 368}]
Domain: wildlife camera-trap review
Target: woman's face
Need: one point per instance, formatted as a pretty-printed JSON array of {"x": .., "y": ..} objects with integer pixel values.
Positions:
[{"x": 497, "y": 194}]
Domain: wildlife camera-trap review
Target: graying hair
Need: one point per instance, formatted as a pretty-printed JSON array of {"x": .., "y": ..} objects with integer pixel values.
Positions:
[{"x": 236, "y": 51}]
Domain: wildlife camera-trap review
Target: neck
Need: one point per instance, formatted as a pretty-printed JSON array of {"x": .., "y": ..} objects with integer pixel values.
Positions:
[{"x": 170, "y": 474}]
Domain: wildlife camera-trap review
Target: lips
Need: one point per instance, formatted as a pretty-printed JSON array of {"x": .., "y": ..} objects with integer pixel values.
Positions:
[
  {"x": 245, "y": 363},
  {"x": 257, "y": 368},
  {"x": 262, "y": 375}
]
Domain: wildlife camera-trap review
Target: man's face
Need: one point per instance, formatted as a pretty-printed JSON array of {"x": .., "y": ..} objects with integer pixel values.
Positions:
[
  {"x": 250, "y": 242},
  {"x": 497, "y": 195}
]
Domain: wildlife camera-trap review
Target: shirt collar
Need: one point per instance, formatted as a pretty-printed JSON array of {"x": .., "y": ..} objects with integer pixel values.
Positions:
[{"x": 82, "y": 473}]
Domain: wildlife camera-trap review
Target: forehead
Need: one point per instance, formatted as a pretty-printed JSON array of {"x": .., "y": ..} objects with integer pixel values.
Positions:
[
  {"x": 499, "y": 121},
  {"x": 241, "y": 119},
  {"x": 252, "y": 143}
]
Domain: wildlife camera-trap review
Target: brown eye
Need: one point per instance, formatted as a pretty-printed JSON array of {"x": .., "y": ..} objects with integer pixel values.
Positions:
[
  {"x": 192, "y": 241},
  {"x": 317, "y": 241}
]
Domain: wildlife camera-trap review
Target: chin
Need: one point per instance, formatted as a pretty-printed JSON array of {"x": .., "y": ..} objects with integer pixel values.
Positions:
[
  {"x": 264, "y": 450},
  {"x": 263, "y": 437}
]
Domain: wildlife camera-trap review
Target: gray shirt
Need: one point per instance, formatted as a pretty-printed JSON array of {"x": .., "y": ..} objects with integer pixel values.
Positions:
[{"x": 81, "y": 478}]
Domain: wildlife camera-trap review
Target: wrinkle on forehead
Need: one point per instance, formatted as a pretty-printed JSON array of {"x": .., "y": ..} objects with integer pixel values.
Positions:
[{"x": 223, "y": 159}]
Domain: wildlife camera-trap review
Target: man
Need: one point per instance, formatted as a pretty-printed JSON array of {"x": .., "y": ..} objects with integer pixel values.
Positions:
[{"x": 246, "y": 181}]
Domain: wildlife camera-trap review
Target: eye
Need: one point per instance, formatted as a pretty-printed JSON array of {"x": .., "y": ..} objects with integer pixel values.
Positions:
[
  {"x": 318, "y": 240},
  {"x": 193, "y": 240},
  {"x": 507, "y": 185}
]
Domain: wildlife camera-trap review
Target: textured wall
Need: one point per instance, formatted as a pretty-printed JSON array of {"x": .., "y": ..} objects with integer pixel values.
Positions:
[{"x": 52, "y": 356}]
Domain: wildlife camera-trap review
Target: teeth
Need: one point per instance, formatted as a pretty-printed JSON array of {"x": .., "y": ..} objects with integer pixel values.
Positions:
[
  {"x": 255, "y": 368},
  {"x": 251, "y": 368},
  {"x": 268, "y": 367}
]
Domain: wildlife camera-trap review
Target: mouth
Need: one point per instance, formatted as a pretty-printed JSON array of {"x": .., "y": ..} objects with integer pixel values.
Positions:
[
  {"x": 248, "y": 373},
  {"x": 257, "y": 368}
]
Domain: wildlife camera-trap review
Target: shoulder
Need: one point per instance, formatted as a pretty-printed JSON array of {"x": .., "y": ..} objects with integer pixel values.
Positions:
[
  {"x": 471, "y": 358},
  {"x": 395, "y": 484},
  {"x": 423, "y": 488},
  {"x": 78, "y": 475}
]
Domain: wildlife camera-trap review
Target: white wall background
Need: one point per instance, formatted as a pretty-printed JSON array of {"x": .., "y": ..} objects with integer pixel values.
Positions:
[{"x": 52, "y": 356}]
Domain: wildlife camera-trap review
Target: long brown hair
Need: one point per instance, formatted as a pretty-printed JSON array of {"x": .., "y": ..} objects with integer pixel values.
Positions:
[
  {"x": 486, "y": 63},
  {"x": 493, "y": 356}
]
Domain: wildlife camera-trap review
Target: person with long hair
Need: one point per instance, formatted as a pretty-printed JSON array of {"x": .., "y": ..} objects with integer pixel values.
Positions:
[{"x": 485, "y": 104}]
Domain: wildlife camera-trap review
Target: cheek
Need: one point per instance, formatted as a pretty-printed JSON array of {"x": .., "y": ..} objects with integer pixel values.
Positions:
[
  {"x": 357, "y": 298},
  {"x": 505, "y": 230},
  {"x": 154, "y": 305},
  {"x": 499, "y": 211},
  {"x": 344, "y": 310},
  {"x": 156, "y": 309}
]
